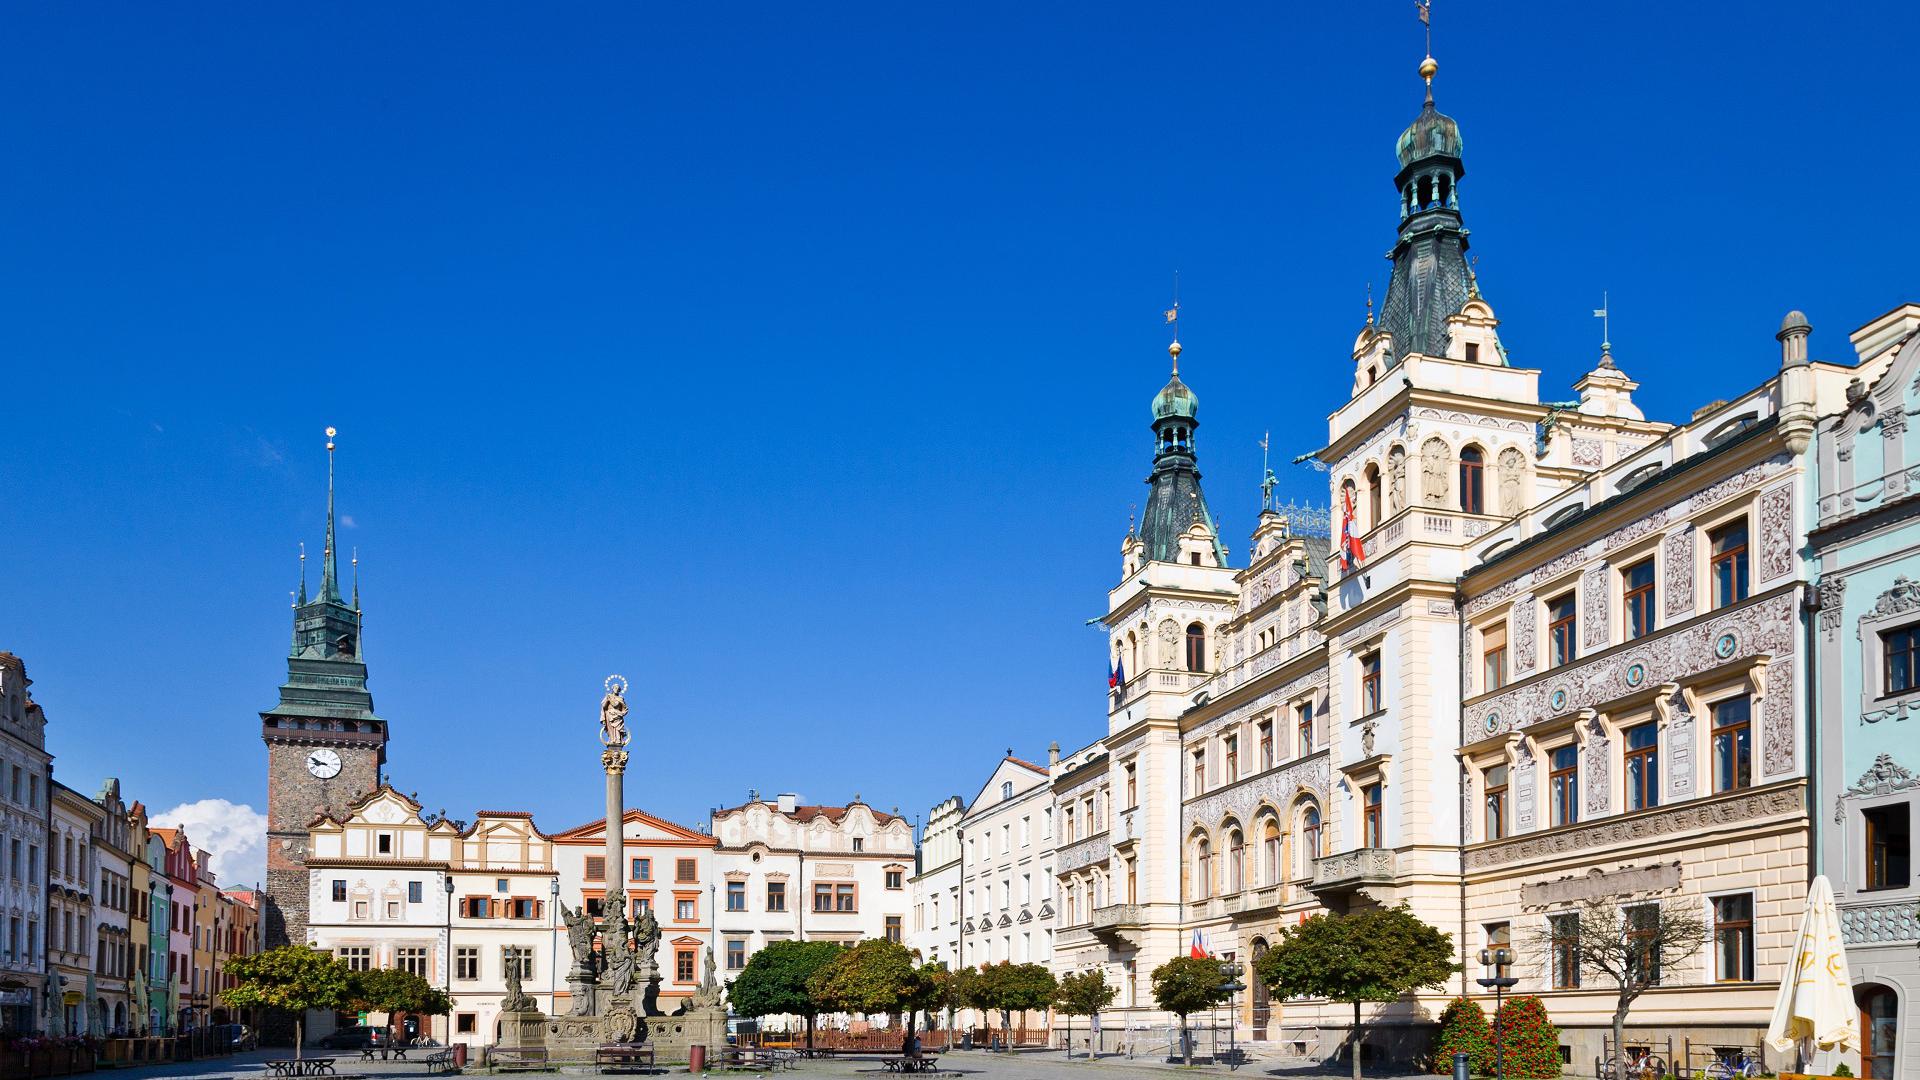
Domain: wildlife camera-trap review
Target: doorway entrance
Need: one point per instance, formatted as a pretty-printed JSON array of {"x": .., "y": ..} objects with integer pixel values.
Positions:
[
  {"x": 1879, "y": 1031},
  {"x": 1262, "y": 1003}
]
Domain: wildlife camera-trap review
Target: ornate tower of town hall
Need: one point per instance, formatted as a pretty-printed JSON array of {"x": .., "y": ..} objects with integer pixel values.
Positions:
[{"x": 325, "y": 746}]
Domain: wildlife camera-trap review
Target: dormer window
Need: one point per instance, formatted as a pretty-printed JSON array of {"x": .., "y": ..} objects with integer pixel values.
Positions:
[
  {"x": 1006, "y": 789},
  {"x": 1194, "y": 557},
  {"x": 1473, "y": 352}
]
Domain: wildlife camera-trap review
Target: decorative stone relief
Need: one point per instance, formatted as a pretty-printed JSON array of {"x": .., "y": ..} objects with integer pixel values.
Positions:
[
  {"x": 1439, "y": 607},
  {"x": 1594, "y": 593},
  {"x": 1523, "y": 789},
  {"x": 1750, "y": 630},
  {"x": 1376, "y": 624},
  {"x": 1242, "y": 801},
  {"x": 1278, "y": 695},
  {"x": 1586, "y": 453},
  {"x": 1397, "y": 478},
  {"x": 1776, "y": 533},
  {"x": 1367, "y": 731},
  {"x": 1776, "y": 722},
  {"x": 1884, "y": 777},
  {"x": 1833, "y": 595},
  {"x": 1677, "y": 550},
  {"x": 1680, "y": 748},
  {"x": 1169, "y": 643},
  {"x": 1880, "y": 924},
  {"x": 1701, "y": 816},
  {"x": 1599, "y": 754},
  {"x": 1523, "y": 647},
  {"x": 1436, "y": 463},
  {"x": 1903, "y": 597},
  {"x": 1596, "y": 884},
  {"x": 1084, "y": 853},
  {"x": 1513, "y": 478}
]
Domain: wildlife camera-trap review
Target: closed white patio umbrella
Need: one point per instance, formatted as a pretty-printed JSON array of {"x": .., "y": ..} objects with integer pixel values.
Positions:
[{"x": 1816, "y": 993}]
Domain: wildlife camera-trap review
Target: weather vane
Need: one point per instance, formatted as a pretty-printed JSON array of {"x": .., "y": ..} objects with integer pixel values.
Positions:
[{"x": 1606, "y": 324}]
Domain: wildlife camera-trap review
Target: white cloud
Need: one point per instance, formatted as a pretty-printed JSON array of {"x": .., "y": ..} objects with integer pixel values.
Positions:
[
  {"x": 233, "y": 834},
  {"x": 347, "y": 522}
]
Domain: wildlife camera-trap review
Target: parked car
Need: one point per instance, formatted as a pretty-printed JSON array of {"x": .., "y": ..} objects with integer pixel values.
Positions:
[
  {"x": 236, "y": 1037},
  {"x": 355, "y": 1038}
]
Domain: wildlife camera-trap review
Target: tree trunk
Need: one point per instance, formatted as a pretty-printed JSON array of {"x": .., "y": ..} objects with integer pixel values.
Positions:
[
  {"x": 809, "y": 1030},
  {"x": 907, "y": 1046},
  {"x": 1619, "y": 1038},
  {"x": 1069, "y": 1036},
  {"x": 1354, "y": 1043},
  {"x": 299, "y": 1032},
  {"x": 1186, "y": 1043}
]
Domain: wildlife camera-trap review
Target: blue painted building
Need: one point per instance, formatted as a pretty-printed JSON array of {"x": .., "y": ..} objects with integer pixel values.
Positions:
[{"x": 1866, "y": 547}]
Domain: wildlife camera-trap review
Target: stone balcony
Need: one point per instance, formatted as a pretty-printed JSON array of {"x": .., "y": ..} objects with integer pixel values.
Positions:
[
  {"x": 1355, "y": 869},
  {"x": 1118, "y": 923}
]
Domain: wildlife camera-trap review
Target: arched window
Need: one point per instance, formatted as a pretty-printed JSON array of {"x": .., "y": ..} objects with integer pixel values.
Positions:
[
  {"x": 1006, "y": 789},
  {"x": 1196, "y": 647},
  {"x": 1473, "y": 480},
  {"x": 1373, "y": 496},
  {"x": 1272, "y": 868},
  {"x": 1309, "y": 838},
  {"x": 1202, "y": 868},
  {"x": 1133, "y": 653},
  {"x": 1236, "y": 861}
]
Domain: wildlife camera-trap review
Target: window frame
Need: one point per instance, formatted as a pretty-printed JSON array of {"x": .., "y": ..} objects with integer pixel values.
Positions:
[
  {"x": 1494, "y": 656},
  {"x": 1563, "y": 950},
  {"x": 1196, "y": 638},
  {"x": 1639, "y": 604},
  {"x": 1493, "y": 800},
  {"x": 1373, "y": 825},
  {"x": 1473, "y": 479},
  {"x": 1370, "y": 689},
  {"x": 1742, "y": 927},
  {"x": 1646, "y": 788},
  {"x": 1876, "y": 871},
  {"x": 1912, "y": 653},
  {"x": 1741, "y": 736},
  {"x": 1739, "y": 560},
  {"x": 1563, "y": 632},
  {"x": 1563, "y": 785}
]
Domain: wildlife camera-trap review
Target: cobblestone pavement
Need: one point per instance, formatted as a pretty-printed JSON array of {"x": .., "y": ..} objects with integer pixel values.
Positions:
[{"x": 1025, "y": 1065}]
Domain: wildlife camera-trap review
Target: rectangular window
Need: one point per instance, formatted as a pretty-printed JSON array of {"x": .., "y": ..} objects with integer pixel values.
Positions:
[
  {"x": 1636, "y": 583},
  {"x": 414, "y": 892},
  {"x": 526, "y": 907},
  {"x": 476, "y": 907},
  {"x": 411, "y": 958},
  {"x": 736, "y": 955},
  {"x": 596, "y": 868},
  {"x": 463, "y": 1023},
  {"x": 1733, "y": 938},
  {"x": 736, "y": 896},
  {"x": 893, "y": 928},
  {"x": 1499, "y": 936},
  {"x": 776, "y": 896},
  {"x": 1265, "y": 731},
  {"x": 859, "y": 844},
  {"x": 1493, "y": 658},
  {"x": 1900, "y": 659},
  {"x": 1133, "y": 790},
  {"x": 685, "y": 870},
  {"x": 360, "y": 909},
  {"x": 357, "y": 958},
  {"x": 1370, "y": 683},
  {"x": 385, "y": 843},
  {"x": 1495, "y": 799},
  {"x": 683, "y": 965},
  {"x": 896, "y": 879},
  {"x": 1643, "y": 936},
  {"x": 1372, "y": 834},
  {"x": 1232, "y": 746},
  {"x": 1066, "y": 830},
  {"x": 520, "y": 955},
  {"x": 1564, "y": 940},
  {"x": 1889, "y": 846},
  {"x": 685, "y": 910},
  {"x": 822, "y": 897},
  {"x": 1199, "y": 781},
  {"x": 1560, "y": 619},
  {"x": 1303, "y": 726},
  {"x": 393, "y": 909},
  {"x": 843, "y": 898},
  {"x": 1728, "y": 573},
  {"x": 1643, "y": 766},
  {"x": 339, "y": 884},
  {"x": 1563, "y": 785},
  {"x": 1732, "y": 744},
  {"x": 642, "y": 869}
]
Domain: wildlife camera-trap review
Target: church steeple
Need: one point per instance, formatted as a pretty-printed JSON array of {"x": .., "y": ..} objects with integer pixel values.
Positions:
[
  {"x": 1431, "y": 280},
  {"x": 1175, "y": 503},
  {"x": 330, "y": 560}
]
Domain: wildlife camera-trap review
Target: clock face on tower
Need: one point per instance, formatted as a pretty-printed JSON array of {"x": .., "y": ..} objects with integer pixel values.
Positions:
[{"x": 323, "y": 763}]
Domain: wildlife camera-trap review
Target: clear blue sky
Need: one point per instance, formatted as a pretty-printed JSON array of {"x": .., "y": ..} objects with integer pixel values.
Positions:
[{"x": 794, "y": 360}]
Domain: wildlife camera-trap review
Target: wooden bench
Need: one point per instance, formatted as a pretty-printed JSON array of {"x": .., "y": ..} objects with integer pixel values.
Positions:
[
  {"x": 301, "y": 1067},
  {"x": 505, "y": 1058},
  {"x": 623, "y": 1055},
  {"x": 441, "y": 1061}
]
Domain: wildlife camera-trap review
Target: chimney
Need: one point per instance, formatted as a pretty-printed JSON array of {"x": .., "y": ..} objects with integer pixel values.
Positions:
[
  {"x": 1053, "y": 752},
  {"x": 1796, "y": 383},
  {"x": 787, "y": 801}
]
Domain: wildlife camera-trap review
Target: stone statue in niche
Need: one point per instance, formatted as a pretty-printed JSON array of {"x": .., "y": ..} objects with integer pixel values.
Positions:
[
  {"x": 1435, "y": 463},
  {"x": 1169, "y": 643},
  {"x": 1513, "y": 468},
  {"x": 1397, "y": 479}
]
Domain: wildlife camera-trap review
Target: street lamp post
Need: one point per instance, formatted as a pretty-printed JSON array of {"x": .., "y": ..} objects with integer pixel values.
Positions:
[
  {"x": 553, "y": 932},
  {"x": 447, "y": 884},
  {"x": 1230, "y": 972},
  {"x": 1498, "y": 960}
]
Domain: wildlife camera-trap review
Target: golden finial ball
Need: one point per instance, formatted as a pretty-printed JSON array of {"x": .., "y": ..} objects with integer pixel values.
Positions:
[
  {"x": 1173, "y": 350},
  {"x": 1428, "y": 67}
]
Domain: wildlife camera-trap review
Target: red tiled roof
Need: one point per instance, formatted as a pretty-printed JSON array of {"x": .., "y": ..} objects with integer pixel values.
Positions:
[
  {"x": 804, "y": 814},
  {"x": 1022, "y": 761}
]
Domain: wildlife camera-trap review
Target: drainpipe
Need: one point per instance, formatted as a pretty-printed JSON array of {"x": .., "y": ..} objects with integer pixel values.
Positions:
[{"x": 1466, "y": 803}]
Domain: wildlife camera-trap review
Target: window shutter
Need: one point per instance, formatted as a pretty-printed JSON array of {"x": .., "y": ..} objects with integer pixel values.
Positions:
[{"x": 596, "y": 868}]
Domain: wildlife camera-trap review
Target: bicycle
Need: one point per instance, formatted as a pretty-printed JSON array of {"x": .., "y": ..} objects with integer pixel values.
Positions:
[
  {"x": 1740, "y": 1066},
  {"x": 1633, "y": 1066}
]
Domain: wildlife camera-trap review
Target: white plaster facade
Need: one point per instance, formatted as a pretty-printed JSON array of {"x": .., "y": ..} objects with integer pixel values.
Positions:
[
  {"x": 935, "y": 930},
  {"x": 670, "y": 868},
  {"x": 26, "y": 780},
  {"x": 70, "y": 902}
]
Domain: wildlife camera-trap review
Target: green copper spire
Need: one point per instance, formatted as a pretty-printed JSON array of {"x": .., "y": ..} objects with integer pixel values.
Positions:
[
  {"x": 1174, "y": 500},
  {"x": 330, "y": 561}
]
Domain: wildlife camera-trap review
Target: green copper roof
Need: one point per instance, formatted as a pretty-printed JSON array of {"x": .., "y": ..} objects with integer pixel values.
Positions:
[{"x": 1175, "y": 399}]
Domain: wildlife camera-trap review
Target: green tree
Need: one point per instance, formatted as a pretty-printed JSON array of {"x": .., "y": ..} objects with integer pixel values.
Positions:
[
  {"x": 778, "y": 980},
  {"x": 876, "y": 976},
  {"x": 393, "y": 991},
  {"x": 1083, "y": 994},
  {"x": 1185, "y": 985},
  {"x": 1007, "y": 987},
  {"x": 1464, "y": 1030},
  {"x": 1375, "y": 955},
  {"x": 293, "y": 978},
  {"x": 1529, "y": 1043}
]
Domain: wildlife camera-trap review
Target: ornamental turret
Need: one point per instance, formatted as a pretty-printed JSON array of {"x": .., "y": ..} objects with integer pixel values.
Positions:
[
  {"x": 1177, "y": 526},
  {"x": 1430, "y": 279}
]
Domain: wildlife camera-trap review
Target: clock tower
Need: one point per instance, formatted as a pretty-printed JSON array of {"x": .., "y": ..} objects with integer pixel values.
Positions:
[{"x": 325, "y": 746}]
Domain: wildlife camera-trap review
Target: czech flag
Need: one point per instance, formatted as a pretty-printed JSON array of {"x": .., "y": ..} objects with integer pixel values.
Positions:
[
  {"x": 1351, "y": 553},
  {"x": 1116, "y": 674},
  {"x": 1198, "y": 950}
]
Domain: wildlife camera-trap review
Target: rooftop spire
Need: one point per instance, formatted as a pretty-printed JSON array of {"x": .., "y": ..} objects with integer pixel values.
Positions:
[
  {"x": 303, "y": 573},
  {"x": 330, "y": 563},
  {"x": 1427, "y": 66}
]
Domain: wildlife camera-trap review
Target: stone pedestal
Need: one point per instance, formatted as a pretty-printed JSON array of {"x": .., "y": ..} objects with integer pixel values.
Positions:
[
  {"x": 672, "y": 1036},
  {"x": 523, "y": 1029}
]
